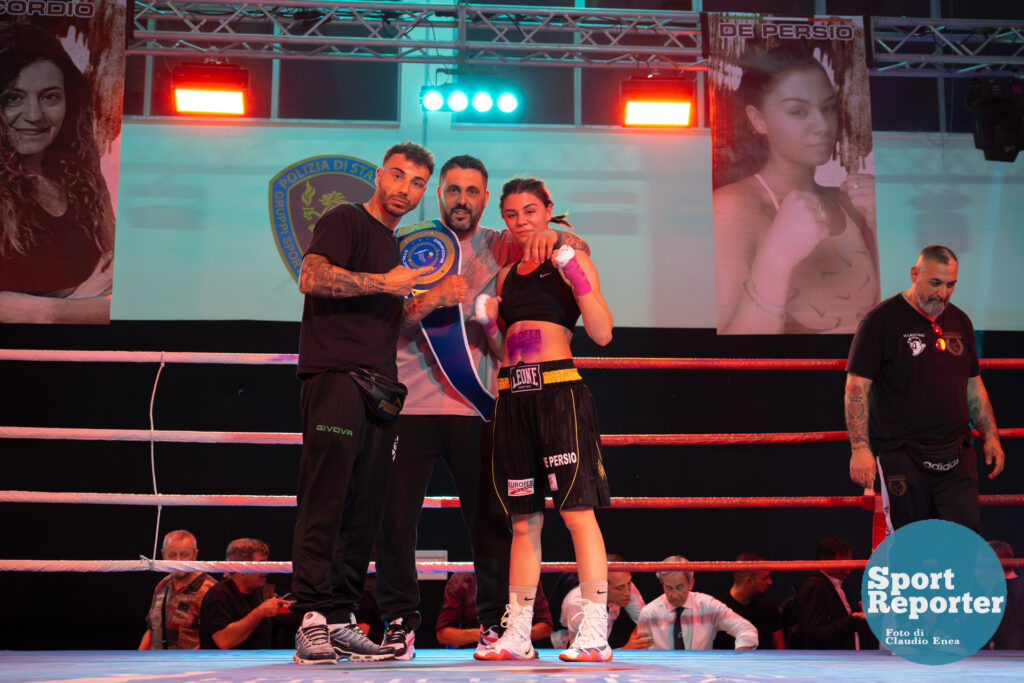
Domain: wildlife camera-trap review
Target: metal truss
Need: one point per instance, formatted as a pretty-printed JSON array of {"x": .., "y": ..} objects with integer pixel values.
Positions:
[
  {"x": 947, "y": 47},
  {"x": 490, "y": 35},
  {"x": 456, "y": 34}
]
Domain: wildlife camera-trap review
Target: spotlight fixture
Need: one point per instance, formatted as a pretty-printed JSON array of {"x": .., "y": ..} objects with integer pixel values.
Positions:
[
  {"x": 657, "y": 101},
  {"x": 997, "y": 110},
  {"x": 472, "y": 99},
  {"x": 217, "y": 89}
]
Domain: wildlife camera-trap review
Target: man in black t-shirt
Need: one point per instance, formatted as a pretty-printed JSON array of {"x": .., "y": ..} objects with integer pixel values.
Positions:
[
  {"x": 912, "y": 392},
  {"x": 354, "y": 285},
  {"x": 749, "y": 599},
  {"x": 236, "y": 612}
]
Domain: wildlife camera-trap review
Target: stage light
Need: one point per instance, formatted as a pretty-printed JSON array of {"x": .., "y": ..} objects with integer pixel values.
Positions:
[
  {"x": 457, "y": 100},
  {"x": 473, "y": 99},
  {"x": 209, "y": 88},
  {"x": 507, "y": 102},
  {"x": 432, "y": 99},
  {"x": 483, "y": 102},
  {"x": 997, "y": 110},
  {"x": 657, "y": 101}
]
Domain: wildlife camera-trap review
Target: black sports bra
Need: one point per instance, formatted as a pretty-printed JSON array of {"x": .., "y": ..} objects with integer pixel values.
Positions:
[{"x": 540, "y": 295}]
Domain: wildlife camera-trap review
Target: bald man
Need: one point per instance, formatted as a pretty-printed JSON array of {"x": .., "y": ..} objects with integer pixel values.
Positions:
[{"x": 912, "y": 393}]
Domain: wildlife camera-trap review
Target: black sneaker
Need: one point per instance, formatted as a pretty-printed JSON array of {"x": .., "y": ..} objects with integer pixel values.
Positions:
[
  {"x": 349, "y": 642},
  {"x": 400, "y": 638}
]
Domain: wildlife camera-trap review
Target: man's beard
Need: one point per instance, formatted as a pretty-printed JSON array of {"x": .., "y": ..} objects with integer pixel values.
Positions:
[
  {"x": 932, "y": 305},
  {"x": 458, "y": 229}
]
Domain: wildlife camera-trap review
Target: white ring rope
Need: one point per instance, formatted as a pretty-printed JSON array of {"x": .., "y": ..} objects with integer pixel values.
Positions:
[
  {"x": 144, "y": 564},
  {"x": 165, "y": 499},
  {"x": 150, "y": 357},
  {"x": 162, "y": 436}
]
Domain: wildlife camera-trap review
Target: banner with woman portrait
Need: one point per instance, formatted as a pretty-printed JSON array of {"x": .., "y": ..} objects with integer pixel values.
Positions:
[
  {"x": 792, "y": 173},
  {"x": 61, "y": 89}
]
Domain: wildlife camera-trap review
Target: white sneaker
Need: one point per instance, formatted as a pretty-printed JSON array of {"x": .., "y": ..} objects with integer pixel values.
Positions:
[
  {"x": 514, "y": 643},
  {"x": 591, "y": 642}
]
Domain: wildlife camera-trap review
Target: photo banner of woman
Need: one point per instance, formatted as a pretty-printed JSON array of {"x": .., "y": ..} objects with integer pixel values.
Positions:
[
  {"x": 793, "y": 174},
  {"x": 61, "y": 88}
]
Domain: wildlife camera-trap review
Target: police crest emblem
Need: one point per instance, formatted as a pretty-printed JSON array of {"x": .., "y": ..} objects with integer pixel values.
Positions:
[{"x": 308, "y": 189}]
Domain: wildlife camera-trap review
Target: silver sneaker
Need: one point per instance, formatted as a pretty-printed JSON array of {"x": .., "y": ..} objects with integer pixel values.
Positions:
[
  {"x": 349, "y": 642},
  {"x": 400, "y": 638},
  {"x": 313, "y": 642}
]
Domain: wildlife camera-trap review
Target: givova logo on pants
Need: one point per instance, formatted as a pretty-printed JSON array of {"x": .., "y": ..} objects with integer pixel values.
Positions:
[{"x": 340, "y": 431}]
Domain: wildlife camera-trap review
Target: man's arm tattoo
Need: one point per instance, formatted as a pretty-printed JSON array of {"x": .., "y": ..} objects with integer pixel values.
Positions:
[
  {"x": 320, "y": 278},
  {"x": 416, "y": 308},
  {"x": 574, "y": 241},
  {"x": 857, "y": 417},
  {"x": 980, "y": 409}
]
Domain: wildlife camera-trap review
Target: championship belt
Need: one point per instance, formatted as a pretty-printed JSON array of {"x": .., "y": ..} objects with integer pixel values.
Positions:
[{"x": 432, "y": 244}]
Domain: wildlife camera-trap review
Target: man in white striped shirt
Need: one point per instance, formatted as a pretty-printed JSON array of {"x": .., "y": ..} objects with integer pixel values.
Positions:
[{"x": 682, "y": 619}]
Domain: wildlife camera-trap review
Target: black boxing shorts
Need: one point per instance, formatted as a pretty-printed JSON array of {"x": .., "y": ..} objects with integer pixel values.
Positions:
[{"x": 546, "y": 440}]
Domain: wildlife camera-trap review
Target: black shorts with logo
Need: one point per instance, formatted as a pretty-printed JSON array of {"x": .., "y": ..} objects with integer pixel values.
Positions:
[{"x": 546, "y": 440}]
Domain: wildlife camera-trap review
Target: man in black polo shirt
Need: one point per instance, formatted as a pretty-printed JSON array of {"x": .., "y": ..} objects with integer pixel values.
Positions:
[
  {"x": 912, "y": 392},
  {"x": 236, "y": 612},
  {"x": 354, "y": 286}
]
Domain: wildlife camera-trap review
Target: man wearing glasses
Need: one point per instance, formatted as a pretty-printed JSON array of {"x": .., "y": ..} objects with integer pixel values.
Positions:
[{"x": 912, "y": 393}]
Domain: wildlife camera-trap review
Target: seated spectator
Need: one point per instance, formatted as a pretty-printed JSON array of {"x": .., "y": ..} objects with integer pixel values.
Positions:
[
  {"x": 749, "y": 599},
  {"x": 458, "y": 625},
  {"x": 682, "y": 619},
  {"x": 622, "y": 594},
  {"x": 173, "y": 619},
  {"x": 825, "y": 620},
  {"x": 237, "y": 611},
  {"x": 1010, "y": 634}
]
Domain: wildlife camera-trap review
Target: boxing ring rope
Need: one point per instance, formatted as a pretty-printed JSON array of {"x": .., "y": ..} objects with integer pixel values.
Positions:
[
  {"x": 591, "y": 363},
  {"x": 144, "y": 564},
  {"x": 152, "y": 436},
  {"x": 447, "y": 502},
  {"x": 294, "y": 438}
]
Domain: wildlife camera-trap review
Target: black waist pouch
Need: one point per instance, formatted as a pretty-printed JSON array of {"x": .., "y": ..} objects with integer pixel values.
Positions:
[
  {"x": 939, "y": 454},
  {"x": 383, "y": 395}
]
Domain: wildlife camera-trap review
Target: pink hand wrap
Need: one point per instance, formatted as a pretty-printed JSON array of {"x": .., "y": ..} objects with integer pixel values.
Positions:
[{"x": 565, "y": 260}]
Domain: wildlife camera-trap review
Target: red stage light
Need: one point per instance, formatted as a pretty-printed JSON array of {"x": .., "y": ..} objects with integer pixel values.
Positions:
[
  {"x": 217, "y": 89},
  {"x": 657, "y": 101}
]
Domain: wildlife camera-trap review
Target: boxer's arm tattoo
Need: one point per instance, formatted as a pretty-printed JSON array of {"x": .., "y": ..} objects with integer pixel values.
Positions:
[
  {"x": 527, "y": 341},
  {"x": 980, "y": 409},
  {"x": 319, "y": 278},
  {"x": 857, "y": 417},
  {"x": 574, "y": 241}
]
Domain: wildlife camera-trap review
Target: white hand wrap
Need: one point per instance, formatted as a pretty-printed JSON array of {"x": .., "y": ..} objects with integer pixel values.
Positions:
[
  {"x": 564, "y": 254},
  {"x": 480, "y": 309}
]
